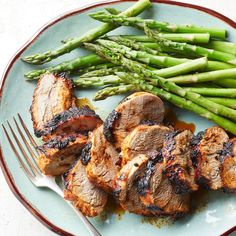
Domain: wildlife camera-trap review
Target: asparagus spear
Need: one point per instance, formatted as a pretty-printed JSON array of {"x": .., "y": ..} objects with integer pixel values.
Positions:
[
  {"x": 188, "y": 48},
  {"x": 205, "y": 76},
  {"x": 102, "y": 72},
  {"x": 97, "y": 81},
  {"x": 111, "y": 91},
  {"x": 179, "y": 101},
  {"x": 141, "y": 70},
  {"x": 214, "y": 92},
  {"x": 102, "y": 66},
  {"x": 90, "y": 35},
  {"x": 223, "y": 46},
  {"x": 67, "y": 66},
  {"x": 228, "y": 102},
  {"x": 136, "y": 45},
  {"x": 177, "y": 37},
  {"x": 186, "y": 67},
  {"x": 227, "y": 83},
  {"x": 161, "y": 26}
]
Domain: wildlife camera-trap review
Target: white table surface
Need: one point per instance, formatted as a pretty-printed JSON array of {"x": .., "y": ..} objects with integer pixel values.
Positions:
[{"x": 19, "y": 20}]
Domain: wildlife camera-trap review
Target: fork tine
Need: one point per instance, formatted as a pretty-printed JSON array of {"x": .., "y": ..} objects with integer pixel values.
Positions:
[
  {"x": 25, "y": 169},
  {"x": 27, "y": 146},
  {"x": 28, "y": 134},
  {"x": 25, "y": 155}
]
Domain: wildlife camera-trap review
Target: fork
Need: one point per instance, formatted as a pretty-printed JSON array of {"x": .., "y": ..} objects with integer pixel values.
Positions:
[{"x": 32, "y": 170}]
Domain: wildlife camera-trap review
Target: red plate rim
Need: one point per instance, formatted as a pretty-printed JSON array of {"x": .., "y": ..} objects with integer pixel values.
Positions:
[{"x": 5, "y": 170}]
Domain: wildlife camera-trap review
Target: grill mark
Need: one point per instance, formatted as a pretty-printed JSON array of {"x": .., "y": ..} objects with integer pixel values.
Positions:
[
  {"x": 63, "y": 117},
  {"x": 86, "y": 153},
  {"x": 108, "y": 126}
]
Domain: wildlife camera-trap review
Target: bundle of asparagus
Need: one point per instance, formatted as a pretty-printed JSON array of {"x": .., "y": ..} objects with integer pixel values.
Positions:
[{"x": 187, "y": 65}]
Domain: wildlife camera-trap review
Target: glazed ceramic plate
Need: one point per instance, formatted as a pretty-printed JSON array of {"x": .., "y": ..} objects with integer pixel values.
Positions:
[{"x": 217, "y": 211}]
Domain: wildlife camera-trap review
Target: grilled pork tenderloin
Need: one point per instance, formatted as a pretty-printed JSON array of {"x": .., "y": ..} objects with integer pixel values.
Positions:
[
  {"x": 131, "y": 112},
  {"x": 60, "y": 153},
  {"x": 179, "y": 169},
  {"x": 88, "y": 198},
  {"x": 206, "y": 156},
  {"x": 102, "y": 161},
  {"x": 52, "y": 95}
]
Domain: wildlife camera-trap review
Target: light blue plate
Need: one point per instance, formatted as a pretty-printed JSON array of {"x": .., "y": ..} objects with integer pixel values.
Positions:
[{"x": 219, "y": 214}]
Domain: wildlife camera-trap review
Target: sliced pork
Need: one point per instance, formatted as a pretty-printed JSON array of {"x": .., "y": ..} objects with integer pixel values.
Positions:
[
  {"x": 60, "y": 153},
  {"x": 53, "y": 95},
  {"x": 157, "y": 193},
  {"x": 126, "y": 185},
  {"x": 131, "y": 112},
  {"x": 102, "y": 161},
  {"x": 88, "y": 198},
  {"x": 75, "y": 119},
  {"x": 178, "y": 164},
  {"x": 144, "y": 139},
  {"x": 228, "y": 170},
  {"x": 206, "y": 156}
]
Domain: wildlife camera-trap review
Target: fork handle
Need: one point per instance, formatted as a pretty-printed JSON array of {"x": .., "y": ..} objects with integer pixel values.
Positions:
[
  {"x": 90, "y": 227},
  {"x": 88, "y": 224}
]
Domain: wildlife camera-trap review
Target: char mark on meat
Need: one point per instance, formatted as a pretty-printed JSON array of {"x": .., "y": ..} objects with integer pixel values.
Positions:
[
  {"x": 104, "y": 161},
  {"x": 53, "y": 95},
  {"x": 143, "y": 183},
  {"x": 108, "y": 126},
  {"x": 177, "y": 158},
  {"x": 206, "y": 156},
  {"x": 58, "y": 154},
  {"x": 58, "y": 142},
  {"x": 72, "y": 113},
  {"x": 148, "y": 122},
  {"x": 86, "y": 154},
  {"x": 228, "y": 168}
]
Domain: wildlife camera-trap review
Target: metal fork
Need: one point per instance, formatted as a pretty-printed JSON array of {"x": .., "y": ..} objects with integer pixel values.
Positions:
[{"x": 31, "y": 169}]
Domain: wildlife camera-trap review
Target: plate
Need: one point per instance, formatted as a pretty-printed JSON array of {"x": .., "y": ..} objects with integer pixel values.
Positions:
[{"x": 217, "y": 211}]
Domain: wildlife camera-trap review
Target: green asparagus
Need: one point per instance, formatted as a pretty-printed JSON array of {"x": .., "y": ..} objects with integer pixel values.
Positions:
[
  {"x": 178, "y": 37},
  {"x": 141, "y": 70},
  {"x": 90, "y": 35},
  {"x": 188, "y": 48},
  {"x": 228, "y": 102},
  {"x": 97, "y": 81},
  {"x": 214, "y": 92},
  {"x": 205, "y": 76},
  {"x": 161, "y": 26},
  {"x": 227, "y": 83},
  {"x": 184, "y": 68},
  {"x": 179, "y": 101},
  {"x": 223, "y": 46},
  {"x": 68, "y": 66},
  {"x": 102, "y": 66},
  {"x": 111, "y": 91},
  {"x": 102, "y": 72}
]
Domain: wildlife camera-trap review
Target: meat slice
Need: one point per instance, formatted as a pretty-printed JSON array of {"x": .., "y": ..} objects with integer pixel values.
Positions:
[
  {"x": 157, "y": 193},
  {"x": 103, "y": 162},
  {"x": 88, "y": 198},
  {"x": 60, "y": 153},
  {"x": 126, "y": 189},
  {"x": 144, "y": 139},
  {"x": 75, "y": 119},
  {"x": 228, "y": 170},
  {"x": 206, "y": 156},
  {"x": 177, "y": 158},
  {"x": 53, "y": 94},
  {"x": 132, "y": 111}
]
